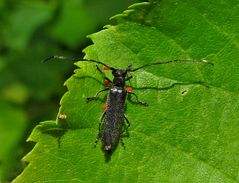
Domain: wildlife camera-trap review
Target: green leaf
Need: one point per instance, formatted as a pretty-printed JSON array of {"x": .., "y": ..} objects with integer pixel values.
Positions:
[
  {"x": 12, "y": 126},
  {"x": 189, "y": 131}
]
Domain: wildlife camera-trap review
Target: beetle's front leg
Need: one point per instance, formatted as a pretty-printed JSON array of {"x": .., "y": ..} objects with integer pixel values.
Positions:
[{"x": 96, "y": 95}]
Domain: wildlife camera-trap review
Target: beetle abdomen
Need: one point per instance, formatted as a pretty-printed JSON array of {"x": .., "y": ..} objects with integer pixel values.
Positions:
[{"x": 114, "y": 118}]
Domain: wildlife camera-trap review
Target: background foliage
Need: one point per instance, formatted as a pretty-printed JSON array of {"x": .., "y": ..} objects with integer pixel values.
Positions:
[{"x": 30, "y": 91}]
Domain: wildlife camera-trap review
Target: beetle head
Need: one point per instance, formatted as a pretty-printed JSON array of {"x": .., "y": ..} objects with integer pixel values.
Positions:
[{"x": 119, "y": 73}]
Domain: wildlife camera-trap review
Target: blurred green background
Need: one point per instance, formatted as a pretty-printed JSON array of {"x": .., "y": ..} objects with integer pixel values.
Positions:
[{"x": 29, "y": 90}]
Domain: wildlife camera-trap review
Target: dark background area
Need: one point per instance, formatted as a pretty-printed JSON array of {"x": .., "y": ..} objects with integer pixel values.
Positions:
[{"x": 29, "y": 90}]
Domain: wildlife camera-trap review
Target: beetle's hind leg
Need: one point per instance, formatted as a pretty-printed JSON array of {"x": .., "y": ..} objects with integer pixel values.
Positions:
[
  {"x": 127, "y": 121},
  {"x": 124, "y": 132},
  {"x": 99, "y": 130},
  {"x": 122, "y": 142}
]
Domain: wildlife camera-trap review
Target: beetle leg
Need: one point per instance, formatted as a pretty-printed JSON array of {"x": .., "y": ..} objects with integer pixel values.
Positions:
[
  {"x": 137, "y": 100},
  {"x": 122, "y": 142},
  {"x": 127, "y": 121},
  {"x": 100, "y": 123},
  {"x": 128, "y": 78},
  {"x": 125, "y": 130},
  {"x": 96, "y": 95},
  {"x": 103, "y": 74}
]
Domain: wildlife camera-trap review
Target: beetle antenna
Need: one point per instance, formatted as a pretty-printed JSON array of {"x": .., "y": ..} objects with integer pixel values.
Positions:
[
  {"x": 75, "y": 59},
  {"x": 168, "y": 62}
]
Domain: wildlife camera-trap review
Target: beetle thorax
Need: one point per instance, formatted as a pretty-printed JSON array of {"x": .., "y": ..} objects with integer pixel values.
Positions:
[
  {"x": 119, "y": 81},
  {"x": 119, "y": 77}
]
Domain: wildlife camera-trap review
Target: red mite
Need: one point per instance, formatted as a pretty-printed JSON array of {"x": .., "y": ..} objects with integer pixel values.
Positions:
[
  {"x": 106, "y": 68},
  {"x": 112, "y": 121},
  {"x": 107, "y": 82},
  {"x": 104, "y": 107},
  {"x": 129, "y": 89}
]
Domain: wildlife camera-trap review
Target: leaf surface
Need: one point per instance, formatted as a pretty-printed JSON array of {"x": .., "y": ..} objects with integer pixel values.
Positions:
[{"x": 189, "y": 131}]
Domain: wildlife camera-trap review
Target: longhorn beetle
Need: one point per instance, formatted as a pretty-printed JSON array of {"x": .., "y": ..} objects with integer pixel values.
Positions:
[{"x": 113, "y": 117}]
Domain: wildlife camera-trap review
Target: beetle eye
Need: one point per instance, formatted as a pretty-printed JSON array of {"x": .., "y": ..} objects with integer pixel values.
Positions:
[{"x": 117, "y": 73}]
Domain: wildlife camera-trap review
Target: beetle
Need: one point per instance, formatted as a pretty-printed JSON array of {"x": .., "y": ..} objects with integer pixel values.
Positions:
[{"x": 112, "y": 120}]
